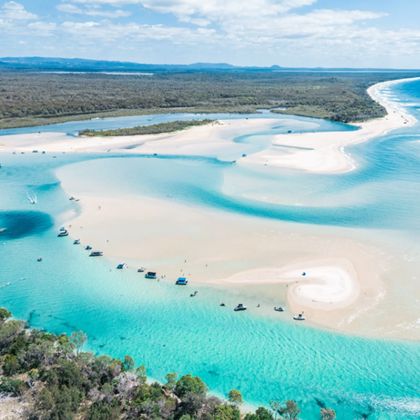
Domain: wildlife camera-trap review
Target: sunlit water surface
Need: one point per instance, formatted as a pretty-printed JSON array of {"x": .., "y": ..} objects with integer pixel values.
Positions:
[{"x": 125, "y": 314}]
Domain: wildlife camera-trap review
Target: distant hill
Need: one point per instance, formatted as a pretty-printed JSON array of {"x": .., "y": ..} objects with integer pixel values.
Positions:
[
  {"x": 85, "y": 65},
  {"x": 57, "y": 64}
]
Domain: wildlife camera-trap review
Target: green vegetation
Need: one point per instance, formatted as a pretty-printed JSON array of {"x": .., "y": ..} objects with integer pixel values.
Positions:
[
  {"x": 50, "y": 378},
  {"x": 168, "y": 127},
  {"x": 40, "y": 98}
]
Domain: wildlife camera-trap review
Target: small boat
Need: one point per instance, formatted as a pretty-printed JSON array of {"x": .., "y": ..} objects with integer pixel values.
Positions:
[
  {"x": 182, "y": 281},
  {"x": 194, "y": 294},
  {"x": 63, "y": 233},
  {"x": 76, "y": 242},
  {"x": 240, "y": 307},
  {"x": 299, "y": 317},
  {"x": 150, "y": 275},
  {"x": 96, "y": 254},
  {"x": 222, "y": 304},
  {"x": 278, "y": 309},
  {"x": 88, "y": 247},
  {"x": 141, "y": 270},
  {"x": 120, "y": 266},
  {"x": 39, "y": 259},
  {"x": 32, "y": 198},
  {"x": 62, "y": 229},
  {"x": 3, "y": 230}
]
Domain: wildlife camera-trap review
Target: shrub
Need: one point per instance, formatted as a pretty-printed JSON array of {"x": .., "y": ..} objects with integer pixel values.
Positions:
[{"x": 189, "y": 384}]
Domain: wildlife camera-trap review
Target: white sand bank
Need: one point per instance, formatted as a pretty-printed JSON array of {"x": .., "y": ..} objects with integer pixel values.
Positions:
[
  {"x": 325, "y": 152},
  {"x": 326, "y": 284},
  {"x": 208, "y": 140}
]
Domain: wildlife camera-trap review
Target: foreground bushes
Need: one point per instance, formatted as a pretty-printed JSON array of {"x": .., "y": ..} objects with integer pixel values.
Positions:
[{"x": 55, "y": 380}]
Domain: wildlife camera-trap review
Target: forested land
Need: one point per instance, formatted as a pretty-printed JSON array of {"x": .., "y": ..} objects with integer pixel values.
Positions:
[
  {"x": 40, "y": 98},
  {"x": 167, "y": 127}
]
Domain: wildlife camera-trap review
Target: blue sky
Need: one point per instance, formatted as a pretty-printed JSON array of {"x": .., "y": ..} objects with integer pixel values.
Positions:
[{"x": 333, "y": 33}]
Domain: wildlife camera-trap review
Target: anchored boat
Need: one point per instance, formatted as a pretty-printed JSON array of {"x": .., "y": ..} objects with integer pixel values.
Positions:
[
  {"x": 299, "y": 317},
  {"x": 182, "y": 281},
  {"x": 96, "y": 254}
]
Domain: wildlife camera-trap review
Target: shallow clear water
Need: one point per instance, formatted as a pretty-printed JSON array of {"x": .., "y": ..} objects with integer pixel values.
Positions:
[{"x": 124, "y": 314}]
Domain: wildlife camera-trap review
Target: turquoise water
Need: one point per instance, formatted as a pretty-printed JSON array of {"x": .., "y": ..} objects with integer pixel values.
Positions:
[{"x": 124, "y": 314}]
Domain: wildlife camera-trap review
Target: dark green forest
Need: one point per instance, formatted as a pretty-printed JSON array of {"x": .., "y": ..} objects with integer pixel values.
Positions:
[
  {"x": 40, "y": 98},
  {"x": 168, "y": 127}
]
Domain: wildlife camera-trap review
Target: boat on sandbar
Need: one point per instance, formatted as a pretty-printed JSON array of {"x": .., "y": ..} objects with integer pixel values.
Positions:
[
  {"x": 182, "y": 281},
  {"x": 96, "y": 254},
  {"x": 150, "y": 275},
  {"x": 299, "y": 317},
  {"x": 240, "y": 307}
]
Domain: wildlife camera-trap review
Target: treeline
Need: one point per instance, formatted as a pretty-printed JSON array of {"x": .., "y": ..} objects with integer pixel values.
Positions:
[
  {"x": 167, "y": 127},
  {"x": 48, "y": 377},
  {"x": 37, "y": 98}
]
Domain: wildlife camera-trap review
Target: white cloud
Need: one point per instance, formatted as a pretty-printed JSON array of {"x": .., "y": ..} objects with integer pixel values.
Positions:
[
  {"x": 132, "y": 32},
  {"x": 282, "y": 31},
  {"x": 12, "y": 11},
  {"x": 92, "y": 11}
]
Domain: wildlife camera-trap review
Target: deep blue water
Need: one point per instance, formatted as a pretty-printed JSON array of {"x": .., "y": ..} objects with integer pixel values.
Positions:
[{"x": 124, "y": 314}]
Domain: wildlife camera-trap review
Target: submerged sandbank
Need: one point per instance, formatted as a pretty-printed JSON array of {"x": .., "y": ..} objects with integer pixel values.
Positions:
[{"x": 259, "y": 261}]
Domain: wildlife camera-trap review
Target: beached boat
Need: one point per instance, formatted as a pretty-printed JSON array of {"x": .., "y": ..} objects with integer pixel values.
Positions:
[
  {"x": 141, "y": 270},
  {"x": 96, "y": 254},
  {"x": 240, "y": 307},
  {"x": 279, "y": 309},
  {"x": 63, "y": 233},
  {"x": 182, "y": 281},
  {"x": 121, "y": 266},
  {"x": 150, "y": 275},
  {"x": 299, "y": 317},
  {"x": 88, "y": 247},
  {"x": 76, "y": 242}
]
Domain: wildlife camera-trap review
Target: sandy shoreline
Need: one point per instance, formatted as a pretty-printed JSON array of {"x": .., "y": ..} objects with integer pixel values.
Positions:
[
  {"x": 316, "y": 152},
  {"x": 325, "y": 152},
  {"x": 342, "y": 288}
]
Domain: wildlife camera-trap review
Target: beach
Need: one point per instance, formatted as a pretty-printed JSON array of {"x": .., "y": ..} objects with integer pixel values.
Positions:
[
  {"x": 325, "y": 152},
  {"x": 333, "y": 276},
  {"x": 314, "y": 152}
]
